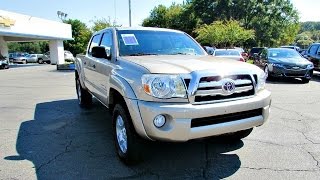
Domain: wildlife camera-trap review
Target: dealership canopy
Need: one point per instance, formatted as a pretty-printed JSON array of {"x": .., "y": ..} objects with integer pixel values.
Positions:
[{"x": 16, "y": 27}]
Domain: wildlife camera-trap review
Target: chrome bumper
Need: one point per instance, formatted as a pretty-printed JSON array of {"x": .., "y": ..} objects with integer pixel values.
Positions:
[{"x": 179, "y": 117}]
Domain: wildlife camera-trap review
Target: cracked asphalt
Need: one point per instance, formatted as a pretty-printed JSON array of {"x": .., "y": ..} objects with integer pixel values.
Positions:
[{"x": 45, "y": 135}]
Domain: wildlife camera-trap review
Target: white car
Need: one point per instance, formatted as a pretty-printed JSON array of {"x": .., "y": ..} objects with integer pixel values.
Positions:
[
  {"x": 68, "y": 56},
  {"x": 229, "y": 53}
]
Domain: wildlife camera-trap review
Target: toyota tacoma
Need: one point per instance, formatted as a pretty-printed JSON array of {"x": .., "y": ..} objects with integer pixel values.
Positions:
[{"x": 161, "y": 85}]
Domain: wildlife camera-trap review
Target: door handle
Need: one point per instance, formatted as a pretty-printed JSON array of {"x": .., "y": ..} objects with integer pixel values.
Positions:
[{"x": 94, "y": 66}]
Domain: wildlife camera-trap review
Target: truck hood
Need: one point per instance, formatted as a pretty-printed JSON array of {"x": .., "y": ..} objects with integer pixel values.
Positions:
[{"x": 184, "y": 64}]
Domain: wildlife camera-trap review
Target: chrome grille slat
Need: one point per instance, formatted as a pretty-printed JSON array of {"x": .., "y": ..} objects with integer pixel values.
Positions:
[
  {"x": 220, "y": 92},
  {"x": 219, "y": 83}
]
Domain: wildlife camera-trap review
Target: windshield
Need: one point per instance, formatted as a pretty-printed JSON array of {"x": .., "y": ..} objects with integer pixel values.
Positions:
[
  {"x": 284, "y": 53},
  {"x": 227, "y": 53},
  {"x": 142, "y": 42}
]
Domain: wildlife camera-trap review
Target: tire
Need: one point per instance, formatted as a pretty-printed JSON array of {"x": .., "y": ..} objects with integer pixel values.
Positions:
[
  {"x": 40, "y": 61},
  {"x": 48, "y": 62},
  {"x": 84, "y": 97},
  {"x": 236, "y": 136},
  {"x": 24, "y": 61},
  {"x": 6, "y": 66},
  {"x": 128, "y": 144},
  {"x": 305, "y": 80},
  {"x": 266, "y": 71}
]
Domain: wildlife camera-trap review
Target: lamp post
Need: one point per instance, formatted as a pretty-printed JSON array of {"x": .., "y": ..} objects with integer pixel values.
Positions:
[
  {"x": 62, "y": 15},
  {"x": 130, "y": 13}
]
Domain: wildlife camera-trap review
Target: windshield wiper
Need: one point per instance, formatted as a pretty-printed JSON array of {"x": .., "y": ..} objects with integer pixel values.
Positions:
[
  {"x": 142, "y": 54},
  {"x": 180, "y": 53}
]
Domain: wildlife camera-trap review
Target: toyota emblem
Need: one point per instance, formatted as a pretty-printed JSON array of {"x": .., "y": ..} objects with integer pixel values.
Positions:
[{"x": 228, "y": 86}]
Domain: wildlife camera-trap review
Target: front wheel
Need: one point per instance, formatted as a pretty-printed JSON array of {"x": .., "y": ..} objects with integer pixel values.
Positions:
[
  {"x": 236, "y": 136},
  {"x": 127, "y": 142},
  {"x": 84, "y": 97},
  {"x": 305, "y": 80}
]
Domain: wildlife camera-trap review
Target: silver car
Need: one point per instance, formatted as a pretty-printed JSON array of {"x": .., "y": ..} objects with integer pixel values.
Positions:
[{"x": 34, "y": 58}]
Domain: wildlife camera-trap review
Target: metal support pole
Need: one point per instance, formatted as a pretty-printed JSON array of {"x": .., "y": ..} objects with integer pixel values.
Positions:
[{"x": 130, "y": 13}]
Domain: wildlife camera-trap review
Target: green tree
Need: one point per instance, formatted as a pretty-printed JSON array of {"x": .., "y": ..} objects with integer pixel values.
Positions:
[
  {"x": 37, "y": 47},
  {"x": 304, "y": 39},
  {"x": 176, "y": 16},
  {"x": 99, "y": 24},
  {"x": 81, "y": 35},
  {"x": 223, "y": 34},
  {"x": 270, "y": 19}
]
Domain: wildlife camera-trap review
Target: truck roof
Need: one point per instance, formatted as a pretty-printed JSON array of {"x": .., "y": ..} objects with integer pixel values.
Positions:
[{"x": 142, "y": 28}]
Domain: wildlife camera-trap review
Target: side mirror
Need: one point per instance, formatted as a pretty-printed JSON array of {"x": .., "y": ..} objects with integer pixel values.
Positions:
[{"x": 100, "y": 52}]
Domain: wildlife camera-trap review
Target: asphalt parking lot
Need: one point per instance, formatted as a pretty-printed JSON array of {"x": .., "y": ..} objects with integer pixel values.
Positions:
[{"x": 44, "y": 134}]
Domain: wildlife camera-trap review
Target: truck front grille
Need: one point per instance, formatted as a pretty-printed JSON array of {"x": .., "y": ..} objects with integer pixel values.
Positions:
[
  {"x": 210, "y": 88},
  {"x": 198, "y": 122}
]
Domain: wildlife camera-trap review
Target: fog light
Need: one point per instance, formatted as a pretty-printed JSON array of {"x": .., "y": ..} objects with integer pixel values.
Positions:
[{"x": 159, "y": 121}]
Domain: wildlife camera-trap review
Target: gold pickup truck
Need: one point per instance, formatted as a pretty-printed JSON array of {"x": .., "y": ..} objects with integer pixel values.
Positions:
[{"x": 161, "y": 85}]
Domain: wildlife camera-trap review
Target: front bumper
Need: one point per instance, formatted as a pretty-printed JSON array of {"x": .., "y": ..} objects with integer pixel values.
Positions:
[
  {"x": 179, "y": 117},
  {"x": 295, "y": 73}
]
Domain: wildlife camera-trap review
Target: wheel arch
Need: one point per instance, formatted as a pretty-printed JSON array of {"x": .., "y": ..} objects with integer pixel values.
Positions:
[{"x": 126, "y": 97}]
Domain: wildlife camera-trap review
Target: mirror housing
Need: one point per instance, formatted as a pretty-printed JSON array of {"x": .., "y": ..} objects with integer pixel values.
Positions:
[{"x": 100, "y": 52}]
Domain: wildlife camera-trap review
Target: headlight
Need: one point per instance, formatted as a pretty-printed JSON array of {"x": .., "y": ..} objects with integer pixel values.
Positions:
[
  {"x": 310, "y": 66},
  {"x": 277, "y": 65},
  {"x": 163, "y": 86},
  {"x": 261, "y": 81}
]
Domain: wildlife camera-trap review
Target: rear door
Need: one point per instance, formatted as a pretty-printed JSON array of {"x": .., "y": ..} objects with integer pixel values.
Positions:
[{"x": 89, "y": 65}]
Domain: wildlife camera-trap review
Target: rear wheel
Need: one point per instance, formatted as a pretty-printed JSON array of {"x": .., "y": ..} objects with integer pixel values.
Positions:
[
  {"x": 128, "y": 144},
  {"x": 24, "y": 61},
  {"x": 40, "y": 61},
  {"x": 84, "y": 97}
]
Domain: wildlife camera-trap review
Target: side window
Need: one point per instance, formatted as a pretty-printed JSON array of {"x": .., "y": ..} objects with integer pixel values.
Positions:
[
  {"x": 106, "y": 41},
  {"x": 313, "y": 50},
  {"x": 94, "y": 42},
  {"x": 264, "y": 54}
]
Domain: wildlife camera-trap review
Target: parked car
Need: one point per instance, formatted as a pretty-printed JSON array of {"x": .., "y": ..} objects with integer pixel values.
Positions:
[
  {"x": 297, "y": 48},
  {"x": 243, "y": 53},
  {"x": 20, "y": 58},
  {"x": 313, "y": 55},
  {"x": 229, "y": 53},
  {"x": 34, "y": 58},
  {"x": 254, "y": 52},
  {"x": 210, "y": 50},
  {"x": 68, "y": 57},
  {"x": 283, "y": 62},
  {"x": 4, "y": 63}
]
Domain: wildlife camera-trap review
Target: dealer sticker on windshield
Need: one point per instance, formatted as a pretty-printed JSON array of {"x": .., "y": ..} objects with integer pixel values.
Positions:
[{"x": 129, "y": 39}]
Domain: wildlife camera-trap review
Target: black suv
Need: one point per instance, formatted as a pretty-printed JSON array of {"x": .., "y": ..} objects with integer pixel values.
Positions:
[
  {"x": 313, "y": 55},
  {"x": 254, "y": 52}
]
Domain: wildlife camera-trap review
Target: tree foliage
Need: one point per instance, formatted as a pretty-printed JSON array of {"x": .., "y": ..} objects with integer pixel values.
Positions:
[
  {"x": 223, "y": 34},
  {"x": 99, "y": 24},
  {"x": 275, "y": 22},
  {"x": 176, "y": 16},
  {"x": 30, "y": 47},
  {"x": 81, "y": 35}
]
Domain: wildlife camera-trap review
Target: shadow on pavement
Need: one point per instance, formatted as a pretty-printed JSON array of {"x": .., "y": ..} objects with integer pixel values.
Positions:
[{"x": 64, "y": 141}]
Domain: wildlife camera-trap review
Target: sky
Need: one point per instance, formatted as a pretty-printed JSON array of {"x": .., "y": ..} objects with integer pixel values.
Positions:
[{"x": 117, "y": 9}]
